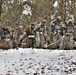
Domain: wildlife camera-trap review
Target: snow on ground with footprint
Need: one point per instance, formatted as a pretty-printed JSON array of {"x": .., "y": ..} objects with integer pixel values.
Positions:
[{"x": 37, "y": 62}]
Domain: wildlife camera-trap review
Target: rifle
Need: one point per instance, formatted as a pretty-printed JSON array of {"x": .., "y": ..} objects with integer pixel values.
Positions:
[{"x": 52, "y": 44}]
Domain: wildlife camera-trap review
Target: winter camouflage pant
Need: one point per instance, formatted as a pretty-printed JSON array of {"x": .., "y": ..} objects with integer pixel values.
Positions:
[
  {"x": 39, "y": 40},
  {"x": 69, "y": 43},
  {"x": 62, "y": 42}
]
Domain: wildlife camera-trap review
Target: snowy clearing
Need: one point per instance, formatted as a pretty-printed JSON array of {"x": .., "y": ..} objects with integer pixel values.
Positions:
[{"x": 37, "y": 62}]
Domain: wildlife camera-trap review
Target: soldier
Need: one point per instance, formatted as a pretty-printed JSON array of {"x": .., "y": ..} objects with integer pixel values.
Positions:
[
  {"x": 31, "y": 35},
  {"x": 14, "y": 38},
  {"x": 23, "y": 39},
  {"x": 70, "y": 26},
  {"x": 74, "y": 38},
  {"x": 41, "y": 33},
  {"x": 56, "y": 33},
  {"x": 69, "y": 37},
  {"x": 6, "y": 38}
]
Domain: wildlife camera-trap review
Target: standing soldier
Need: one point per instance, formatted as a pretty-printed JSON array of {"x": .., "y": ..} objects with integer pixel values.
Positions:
[
  {"x": 69, "y": 38},
  {"x": 74, "y": 35},
  {"x": 41, "y": 33},
  {"x": 56, "y": 32},
  {"x": 31, "y": 36}
]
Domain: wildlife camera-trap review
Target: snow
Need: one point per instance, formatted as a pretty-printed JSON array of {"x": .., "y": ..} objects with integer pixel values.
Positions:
[{"x": 37, "y": 62}]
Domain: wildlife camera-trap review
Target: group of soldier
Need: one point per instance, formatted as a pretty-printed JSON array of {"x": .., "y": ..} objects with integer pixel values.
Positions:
[
  {"x": 62, "y": 34},
  {"x": 38, "y": 35}
]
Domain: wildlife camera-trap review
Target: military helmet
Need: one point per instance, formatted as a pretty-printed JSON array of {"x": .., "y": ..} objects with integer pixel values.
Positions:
[
  {"x": 70, "y": 22},
  {"x": 59, "y": 17},
  {"x": 44, "y": 21},
  {"x": 32, "y": 24}
]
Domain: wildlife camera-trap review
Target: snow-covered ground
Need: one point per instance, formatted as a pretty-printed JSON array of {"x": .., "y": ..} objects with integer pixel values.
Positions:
[{"x": 37, "y": 62}]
